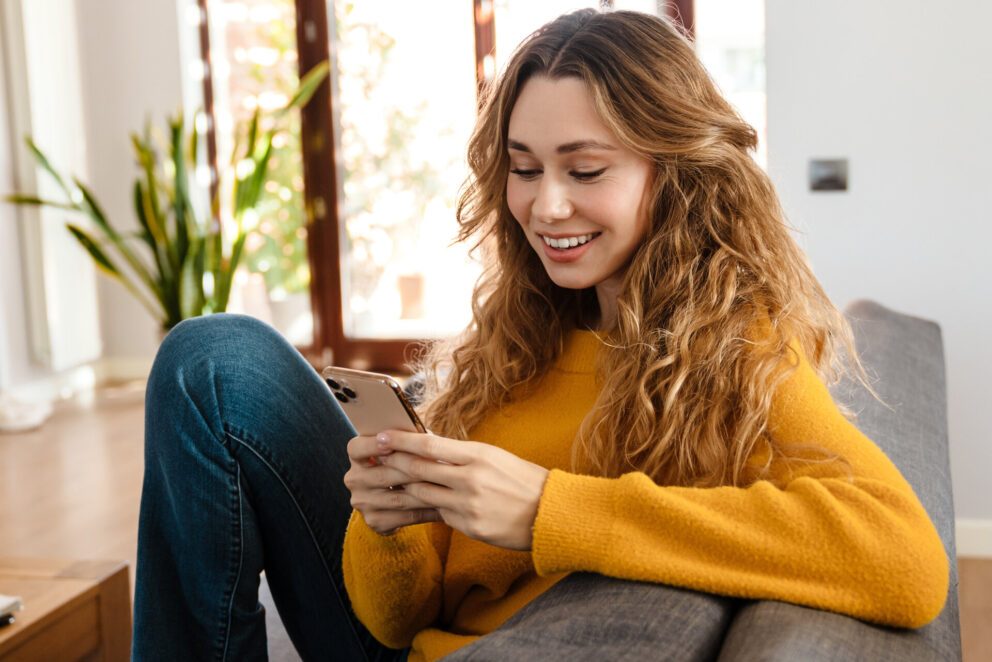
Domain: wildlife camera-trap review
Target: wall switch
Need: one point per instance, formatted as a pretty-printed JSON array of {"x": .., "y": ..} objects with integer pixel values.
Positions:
[{"x": 828, "y": 174}]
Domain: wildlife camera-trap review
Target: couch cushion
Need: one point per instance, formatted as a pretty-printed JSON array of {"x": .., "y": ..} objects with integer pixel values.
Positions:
[
  {"x": 587, "y": 616},
  {"x": 780, "y": 632}
]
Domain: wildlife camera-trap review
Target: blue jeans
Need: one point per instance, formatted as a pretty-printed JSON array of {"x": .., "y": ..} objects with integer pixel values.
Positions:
[{"x": 244, "y": 460}]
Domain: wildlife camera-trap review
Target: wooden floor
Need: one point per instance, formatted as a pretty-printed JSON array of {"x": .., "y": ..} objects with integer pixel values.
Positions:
[{"x": 71, "y": 490}]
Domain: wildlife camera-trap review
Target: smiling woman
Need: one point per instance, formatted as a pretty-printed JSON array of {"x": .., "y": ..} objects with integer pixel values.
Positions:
[{"x": 637, "y": 402}]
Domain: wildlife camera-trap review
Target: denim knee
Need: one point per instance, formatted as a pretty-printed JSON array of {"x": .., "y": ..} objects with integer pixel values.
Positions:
[
  {"x": 204, "y": 356},
  {"x": 232, "y": 369},
  {"x": 215, "y": 339},
  {"x": 215, "y": 332}
]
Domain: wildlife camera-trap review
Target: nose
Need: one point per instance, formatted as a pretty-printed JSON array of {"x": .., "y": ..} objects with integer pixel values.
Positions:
[{"x": 552, "y": 202}]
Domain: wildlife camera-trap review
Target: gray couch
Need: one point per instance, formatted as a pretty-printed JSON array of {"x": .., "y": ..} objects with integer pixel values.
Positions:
[{"x": 905, "y": 356}]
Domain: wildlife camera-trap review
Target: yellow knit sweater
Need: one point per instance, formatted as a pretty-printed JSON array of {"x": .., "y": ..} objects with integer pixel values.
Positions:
[{"x": 864, "y": 547}]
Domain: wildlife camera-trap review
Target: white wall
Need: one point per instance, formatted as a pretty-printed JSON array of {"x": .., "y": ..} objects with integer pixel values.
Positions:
[
  {"x": 902, "y": 88},
  {"x": 129, "y": 59},
  {"x": 12, "y": 336},
  {"x": 39, "y": 77},
  {"x": 131, "y": 71}
]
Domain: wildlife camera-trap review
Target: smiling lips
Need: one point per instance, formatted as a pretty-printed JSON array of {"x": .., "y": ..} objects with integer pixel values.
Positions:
[{"x": 567, "y": 248}]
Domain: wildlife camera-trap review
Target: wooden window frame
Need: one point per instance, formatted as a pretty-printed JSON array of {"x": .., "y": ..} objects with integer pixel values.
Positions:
[{"x": 683, "y": 13}]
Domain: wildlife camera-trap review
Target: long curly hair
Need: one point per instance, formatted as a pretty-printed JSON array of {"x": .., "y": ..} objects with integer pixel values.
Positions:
[{"x": 715, "y": 303}]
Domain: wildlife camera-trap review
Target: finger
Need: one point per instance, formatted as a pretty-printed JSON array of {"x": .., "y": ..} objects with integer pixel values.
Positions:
[
  {"x": 434, "y": 496},
  {"x": 430, "y": 446},
  {"x": 420, "y": 469},
  {"x": 387, "y": 522},
  {"x": 363, "y": 450},
  {"x": 452, "y": 518},
  {"x": 394, "y": 500},
  {"x": 383, "y": 477},
  {"x": 362, "y": 479}
]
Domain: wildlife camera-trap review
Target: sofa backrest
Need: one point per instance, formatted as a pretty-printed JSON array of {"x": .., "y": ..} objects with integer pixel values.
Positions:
[{"x": 904, "y": 358}]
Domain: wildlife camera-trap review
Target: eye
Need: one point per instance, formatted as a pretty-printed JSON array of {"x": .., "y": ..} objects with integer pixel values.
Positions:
[
  {"x": 525, "y": 174},
  {"x": 587, "y": 176}
]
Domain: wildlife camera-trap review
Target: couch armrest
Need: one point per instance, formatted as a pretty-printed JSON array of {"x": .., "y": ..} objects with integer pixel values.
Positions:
[{"x": 904, "y": 358}]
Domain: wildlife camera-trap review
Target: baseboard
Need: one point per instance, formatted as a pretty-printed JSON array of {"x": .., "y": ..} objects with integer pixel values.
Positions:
[
  {"x": 973, "y": 537},
  {"x": 115, "y": 368},
  {"x": 56, "y": 386},
  {"x": 81, "y": 379}
]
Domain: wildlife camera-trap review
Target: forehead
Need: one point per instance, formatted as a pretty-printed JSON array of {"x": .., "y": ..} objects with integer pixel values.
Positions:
[{"x": 554, "y": 112}]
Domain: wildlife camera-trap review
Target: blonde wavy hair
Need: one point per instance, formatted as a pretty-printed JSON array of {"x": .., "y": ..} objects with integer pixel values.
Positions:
[{"x": 714, "y": 305}]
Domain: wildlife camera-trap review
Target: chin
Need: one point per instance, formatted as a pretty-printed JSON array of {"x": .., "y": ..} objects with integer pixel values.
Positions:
[{"x": 570, "y": 282}]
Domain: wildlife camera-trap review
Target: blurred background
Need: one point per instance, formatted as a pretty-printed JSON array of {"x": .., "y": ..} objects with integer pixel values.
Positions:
[{"x": 347, "y": 249}]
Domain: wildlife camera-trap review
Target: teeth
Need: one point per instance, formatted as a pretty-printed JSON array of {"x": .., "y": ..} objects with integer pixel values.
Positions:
[{"x": 568, "y": 242}]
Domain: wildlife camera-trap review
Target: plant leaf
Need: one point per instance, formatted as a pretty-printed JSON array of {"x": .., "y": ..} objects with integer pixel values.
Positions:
[
  {"x": 257, "y": 180},
  {"x": 216, "y": 266},
  {"x": 194, "y": 142},
  {"x": 180, "y": 202},
  {"x": 151, "y": 236},
  {"x": 140, "y": 210},
  {"x": 235, "y": 148},
  {"x": 198, "y": 268},
  {"x": 153, "y": 212},
  {"x": 94, "y": 250},
  {"x": 252, "y": 134},
  {"x": 36, "y": 201},
  {"x": 92, "y": 208},
  {"x": 191, "y": 298},
  {"x": 248, "y": 190},
  {"x": 308, "y": 85},
  {"x": 222, "y": 286},
  {"x": 107, "y": 266},
  {"x": 42, "y": 160}
]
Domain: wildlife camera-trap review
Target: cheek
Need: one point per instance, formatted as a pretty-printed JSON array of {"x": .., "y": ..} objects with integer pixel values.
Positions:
[
  {"x": 639, "y": 212},
  {"x": 518, "y": 202}
]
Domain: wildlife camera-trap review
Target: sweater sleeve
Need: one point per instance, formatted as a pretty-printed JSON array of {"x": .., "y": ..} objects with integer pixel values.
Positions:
[
  {"x": 395, "y": 582},
  {"x": 860, "y": 545}
]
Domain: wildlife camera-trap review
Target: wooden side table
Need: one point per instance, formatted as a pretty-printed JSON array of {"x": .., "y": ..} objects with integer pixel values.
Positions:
[{"x": 74, "y": 611}]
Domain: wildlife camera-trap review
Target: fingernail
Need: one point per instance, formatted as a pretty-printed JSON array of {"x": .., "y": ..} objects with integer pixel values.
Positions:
[{"x": 383, "y": 440}]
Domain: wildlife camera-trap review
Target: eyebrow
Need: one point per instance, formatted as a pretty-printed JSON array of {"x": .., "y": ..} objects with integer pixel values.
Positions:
[{"x": 567, "y": 148}]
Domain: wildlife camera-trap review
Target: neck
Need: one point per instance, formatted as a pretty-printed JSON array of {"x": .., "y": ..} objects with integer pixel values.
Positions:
[{"x": 606, "y": 295}]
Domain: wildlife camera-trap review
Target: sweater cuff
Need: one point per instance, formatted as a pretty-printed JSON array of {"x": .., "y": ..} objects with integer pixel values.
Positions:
[
  {"x": 573, "y": 530},
  {"x": 400, "y": 543}
]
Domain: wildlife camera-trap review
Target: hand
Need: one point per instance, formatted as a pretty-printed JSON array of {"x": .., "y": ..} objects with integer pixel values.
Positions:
[
  {"x": 483, "y": 491},
  {"x": 377, "y": 491}
]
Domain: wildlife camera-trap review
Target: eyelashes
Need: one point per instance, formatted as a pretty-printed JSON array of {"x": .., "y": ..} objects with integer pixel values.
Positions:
[
  {"x": 528, "y": 175},
  {"x": 587, "y": 176}
]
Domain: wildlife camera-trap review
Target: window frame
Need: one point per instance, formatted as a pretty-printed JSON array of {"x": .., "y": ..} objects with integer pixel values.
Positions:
[
  {"x": 683, "y": 13},
  {"x": 322, "y": 192}
]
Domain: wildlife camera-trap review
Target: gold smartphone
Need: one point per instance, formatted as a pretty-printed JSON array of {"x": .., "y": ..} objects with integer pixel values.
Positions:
[{"x": 372, "y": 402}]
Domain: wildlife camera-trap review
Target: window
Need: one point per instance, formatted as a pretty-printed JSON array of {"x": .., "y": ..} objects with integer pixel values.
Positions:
[
  {"x": 252, "y": 51},
  {"x": 405, "y": 108}
]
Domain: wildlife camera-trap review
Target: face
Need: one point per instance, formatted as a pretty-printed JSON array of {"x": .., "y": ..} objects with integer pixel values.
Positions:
[{"x": 576, "y": 191}]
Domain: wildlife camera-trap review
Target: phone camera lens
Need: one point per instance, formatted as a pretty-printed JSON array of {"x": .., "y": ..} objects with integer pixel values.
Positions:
[
  {"x": 341, "y": 396},
  {"x": 350, "y": 393},
  {"x": 333, "y": 384}
]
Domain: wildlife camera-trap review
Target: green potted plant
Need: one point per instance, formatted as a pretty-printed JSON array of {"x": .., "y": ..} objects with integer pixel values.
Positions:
[{"x": 178, "y": 265}]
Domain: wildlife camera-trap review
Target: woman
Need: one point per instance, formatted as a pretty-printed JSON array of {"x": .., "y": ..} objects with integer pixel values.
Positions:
[{"x": 639, "y": 384}]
